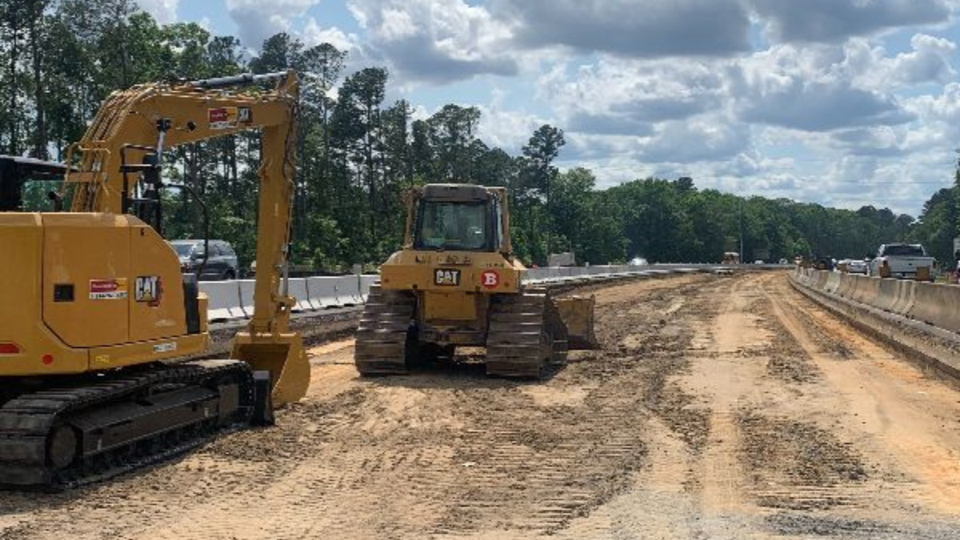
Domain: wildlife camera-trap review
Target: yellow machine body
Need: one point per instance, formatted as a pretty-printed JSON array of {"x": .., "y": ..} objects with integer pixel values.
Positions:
[
  {"x": 456, "y": 282},
  {"x": 96, "y": 288},
  {"x": 86, "y": 292},
  {"x": 448, "y": 312}
]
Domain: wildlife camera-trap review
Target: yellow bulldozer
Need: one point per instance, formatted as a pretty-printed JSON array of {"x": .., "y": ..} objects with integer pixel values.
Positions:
[
  {"x": 456, "y": 283},
  {"x": 96, "y": 313}
]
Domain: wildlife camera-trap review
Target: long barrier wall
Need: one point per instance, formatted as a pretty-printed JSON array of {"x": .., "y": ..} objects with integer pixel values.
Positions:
[
  {"x": 932, "y": 303},
  {"x": 233, "y": 300}
]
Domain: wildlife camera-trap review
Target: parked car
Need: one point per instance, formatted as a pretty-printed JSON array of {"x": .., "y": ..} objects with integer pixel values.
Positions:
[
  {"x": 638, "y": 261},
  {"x": 901, "y": 261},
  {"x": 221, "y": 262}
]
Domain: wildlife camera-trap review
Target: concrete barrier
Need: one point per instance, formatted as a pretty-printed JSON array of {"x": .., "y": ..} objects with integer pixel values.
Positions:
[
  {"x": 833, "y": 282},
  {"x": 322, "y": 292},
  {"x": 223, "y": 300},
  {"x": 298, "y": 290},
  {"x": 348, "y": 290},
  {"x": 822, "y": 280},
  {"x": 886, "y": 294},
  {"x": 906, "y": 297},
  {"x": 847, "y": 282},
  {"x": 365, "y": 282},
  {"x": 937, "y": 305},
  {"x": 246, "y": 296},
  {"x": 865, "y": 289}
]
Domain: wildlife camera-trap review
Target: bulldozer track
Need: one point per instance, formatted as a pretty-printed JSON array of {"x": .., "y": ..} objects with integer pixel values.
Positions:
[
  {"x": 525, "y": 334},
  {"x": 383, "y": 334},
  {"x": 28, "y": 422}
]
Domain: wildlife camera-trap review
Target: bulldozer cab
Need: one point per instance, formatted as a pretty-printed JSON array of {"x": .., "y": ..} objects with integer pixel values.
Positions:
[{"x": 451, "y": 217}]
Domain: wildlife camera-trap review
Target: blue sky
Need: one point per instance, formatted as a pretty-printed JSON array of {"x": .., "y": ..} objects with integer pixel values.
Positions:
[{"x": 842, "y": 102}]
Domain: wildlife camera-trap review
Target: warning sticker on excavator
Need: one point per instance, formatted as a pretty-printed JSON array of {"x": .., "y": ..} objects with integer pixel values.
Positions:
[
  {"x": 108, "y": 289},
  {"x": 228, "y": 117}
]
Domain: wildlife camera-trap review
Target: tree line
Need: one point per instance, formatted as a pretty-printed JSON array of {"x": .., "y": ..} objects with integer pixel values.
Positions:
[{"x": 357, "y": 154}]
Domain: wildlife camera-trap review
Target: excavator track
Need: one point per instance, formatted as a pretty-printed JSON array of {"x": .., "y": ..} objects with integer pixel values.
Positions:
[
  {"x": 525, "y": 334},
  {"x": 101, "y": 426},
  {"x": 384, "y": 343}
]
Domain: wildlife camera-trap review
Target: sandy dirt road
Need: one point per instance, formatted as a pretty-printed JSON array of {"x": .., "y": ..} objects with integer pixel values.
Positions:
[{"x": 718, "y": 407}]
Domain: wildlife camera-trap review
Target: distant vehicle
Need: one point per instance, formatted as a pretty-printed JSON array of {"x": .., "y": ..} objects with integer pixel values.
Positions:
[
  {"x": 855, "y": 266},
  {"x": 731, "y": 257},
  {"x": 221, "y": 262},
  {"x": 784, "y": 262},
  {"x": 901, "y": 261},
  {"x": 638, "y": 261},
  {"x": 562, "y": 259},
  {"x": 759, "y": 261},
  {"x": 825, "y": 263}
]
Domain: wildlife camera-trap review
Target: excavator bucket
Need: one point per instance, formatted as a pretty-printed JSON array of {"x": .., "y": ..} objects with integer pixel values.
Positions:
[
  {"x": 283, "y": 356},
  {"x": 577, "y": 315}
]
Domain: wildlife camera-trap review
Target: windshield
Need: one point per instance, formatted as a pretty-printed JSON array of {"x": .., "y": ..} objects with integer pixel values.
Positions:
[
  {"x": 183, "y": 250},
  {"x": 452, "y": 226},
  {"x": 903, "y": 251}
]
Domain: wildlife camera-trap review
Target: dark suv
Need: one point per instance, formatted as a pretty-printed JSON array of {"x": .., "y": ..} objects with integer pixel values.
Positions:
[{"x": 221, "y": 262}]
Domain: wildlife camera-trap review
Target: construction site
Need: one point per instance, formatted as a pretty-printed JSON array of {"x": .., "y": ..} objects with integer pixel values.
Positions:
[
  {"x": 252, "y": 304},
  {"x": 715, "y": 407}
]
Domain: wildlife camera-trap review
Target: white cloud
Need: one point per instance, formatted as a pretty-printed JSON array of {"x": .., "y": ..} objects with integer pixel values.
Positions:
[
  {"x": 809, "y": 89},
  {"x": 260, "y": 19},
  {"x": 836, "y": 20},
  {"x": 313, "y": 34},
  {"x": 164, "y": 11},
  {"x": 628, "y": 97},
  {"x": 435, "y": 41},
  {"x": 631, "y": 28}
]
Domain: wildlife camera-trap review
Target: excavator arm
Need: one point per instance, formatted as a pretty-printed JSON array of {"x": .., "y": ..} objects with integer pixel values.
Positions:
[{"x": 149, "y": 119}]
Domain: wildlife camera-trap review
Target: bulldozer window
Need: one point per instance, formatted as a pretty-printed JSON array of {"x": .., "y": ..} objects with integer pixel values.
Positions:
[{"x": 453, "y": 226}]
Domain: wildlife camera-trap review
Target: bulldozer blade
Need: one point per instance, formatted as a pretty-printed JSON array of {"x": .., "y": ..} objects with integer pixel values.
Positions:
[
  {"x": 283, "y": 356},
  {"x": 577, "y": 314}
]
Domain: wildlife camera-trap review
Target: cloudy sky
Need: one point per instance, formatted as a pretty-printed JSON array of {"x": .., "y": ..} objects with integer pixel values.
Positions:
[{"x": 842, "y": 102}]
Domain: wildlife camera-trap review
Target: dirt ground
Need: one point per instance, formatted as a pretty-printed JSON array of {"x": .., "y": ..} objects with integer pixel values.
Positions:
[{"x": 717, "y": 408}]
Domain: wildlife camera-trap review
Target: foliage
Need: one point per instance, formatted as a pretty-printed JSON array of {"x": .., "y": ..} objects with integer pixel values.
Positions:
[{"x": 356, "y": 155}]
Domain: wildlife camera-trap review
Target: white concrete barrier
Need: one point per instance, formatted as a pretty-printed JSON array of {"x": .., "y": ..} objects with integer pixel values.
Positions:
[
  {"x": 348, "y": 290},
  {"x": 246, "y": 296},
  {"x": 322, "y": 292},
  {"x": 223, "y": 300},
  {"x": 365, "y": 282},
  {"x": 298, "y": 289}
]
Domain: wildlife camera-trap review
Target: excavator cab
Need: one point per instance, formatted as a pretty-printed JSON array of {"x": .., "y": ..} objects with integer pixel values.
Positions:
[
  {"x": 456, "y": 283},
  {"x": 29, "y": 184}
]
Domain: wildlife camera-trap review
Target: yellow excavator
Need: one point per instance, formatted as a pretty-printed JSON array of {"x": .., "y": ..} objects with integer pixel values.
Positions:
[
  {"x": 457, "y": 283},
  {"x": 96, "y": 315}
]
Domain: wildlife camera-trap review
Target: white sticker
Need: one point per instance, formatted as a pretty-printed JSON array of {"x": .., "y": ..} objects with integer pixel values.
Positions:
[{"x": 165, "y": 347}]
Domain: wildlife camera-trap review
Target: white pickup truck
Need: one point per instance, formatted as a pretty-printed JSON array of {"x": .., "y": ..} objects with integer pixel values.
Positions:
[{"x": 901, "y": 261}]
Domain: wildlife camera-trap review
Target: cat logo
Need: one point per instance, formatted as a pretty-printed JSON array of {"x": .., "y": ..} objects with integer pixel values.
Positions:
[
  {"x": 446, "y": 278},
  {"x": 148, "y": 289}
]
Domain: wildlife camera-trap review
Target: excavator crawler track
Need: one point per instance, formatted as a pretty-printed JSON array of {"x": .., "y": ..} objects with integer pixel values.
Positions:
[
  {"x": 384, "y": 343},
  {"x": 101, "y": 426},
  {"x": 525, "y": 334}
]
